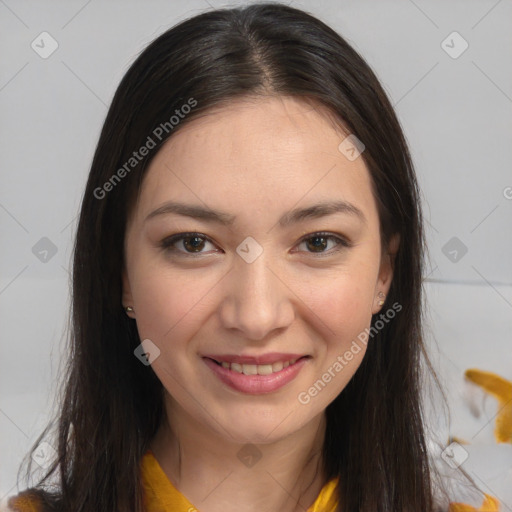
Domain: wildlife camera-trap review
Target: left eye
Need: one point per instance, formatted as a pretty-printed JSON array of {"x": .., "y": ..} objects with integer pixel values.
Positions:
[
  {"x": 194, "y": 243},
  {"x": 319, "y": 242}
]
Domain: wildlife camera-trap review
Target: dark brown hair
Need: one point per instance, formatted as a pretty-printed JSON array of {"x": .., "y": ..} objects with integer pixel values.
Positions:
[{"x": 111, "y": 406}]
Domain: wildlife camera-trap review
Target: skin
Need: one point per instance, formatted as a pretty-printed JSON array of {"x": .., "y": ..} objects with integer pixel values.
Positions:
[{"x": 257, "y": 159}]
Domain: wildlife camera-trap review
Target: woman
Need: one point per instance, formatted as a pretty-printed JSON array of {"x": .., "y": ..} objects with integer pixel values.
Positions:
[{"x": 246, "y": 285}]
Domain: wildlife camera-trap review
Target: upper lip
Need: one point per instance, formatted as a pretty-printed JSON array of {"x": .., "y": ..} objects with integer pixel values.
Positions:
[{"x": 270, "y": 358}]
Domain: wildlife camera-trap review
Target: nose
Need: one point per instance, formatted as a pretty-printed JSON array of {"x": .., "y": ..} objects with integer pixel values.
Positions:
[{"x": 257, "y": 300}]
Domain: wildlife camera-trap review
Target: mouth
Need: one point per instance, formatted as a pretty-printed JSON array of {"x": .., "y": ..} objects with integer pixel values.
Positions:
[
  {"x": 244, "y": 375},
  {"x": 257, "y": 369}
]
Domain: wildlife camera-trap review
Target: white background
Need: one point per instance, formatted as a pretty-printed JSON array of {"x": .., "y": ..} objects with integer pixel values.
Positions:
[{"x": 456, "y": 113}]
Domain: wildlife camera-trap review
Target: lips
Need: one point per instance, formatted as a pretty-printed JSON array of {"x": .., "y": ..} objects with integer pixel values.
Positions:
[
  {"x": 269, "y": 358},
  {"x": 254, "y": 378}
]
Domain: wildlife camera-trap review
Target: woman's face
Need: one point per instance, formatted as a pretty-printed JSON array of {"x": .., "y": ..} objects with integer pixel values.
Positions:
[{"x": 255, "y": 282}]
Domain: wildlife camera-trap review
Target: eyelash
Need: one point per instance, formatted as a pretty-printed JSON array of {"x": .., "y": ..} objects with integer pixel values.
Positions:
[{"x": 168, "y": 243}]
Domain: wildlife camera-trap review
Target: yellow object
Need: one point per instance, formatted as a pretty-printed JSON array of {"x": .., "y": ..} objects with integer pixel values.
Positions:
[
  {"x": 162, "y": 496},
  {"x": 501, "y": 389},
  {"x": 24, "y": 502},
  {"x": 490, "y": 504}
]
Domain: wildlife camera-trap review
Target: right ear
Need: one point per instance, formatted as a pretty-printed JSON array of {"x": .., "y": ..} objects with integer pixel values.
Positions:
[{"x": 127, "y": 294}]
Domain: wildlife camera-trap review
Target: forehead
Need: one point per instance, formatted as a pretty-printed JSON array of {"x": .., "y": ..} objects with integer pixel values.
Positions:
[{"x": 257, "y": 154}]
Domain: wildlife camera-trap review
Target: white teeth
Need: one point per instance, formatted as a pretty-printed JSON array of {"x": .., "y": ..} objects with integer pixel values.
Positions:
[
  {"x": 258, "y": 369},
  {"x": 250, "y": 369},
  {"x": 265, "y": 369},
  {"x": 236, "y": 367},
  {"x": 277, "y": 367}
]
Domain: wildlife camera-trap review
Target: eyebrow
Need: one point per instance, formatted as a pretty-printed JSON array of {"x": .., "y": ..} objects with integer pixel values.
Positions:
[{"x": 292, "y": 217}]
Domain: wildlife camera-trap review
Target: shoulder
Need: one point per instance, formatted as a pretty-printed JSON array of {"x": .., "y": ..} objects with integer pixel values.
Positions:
[{"x": 26, "y": 501}]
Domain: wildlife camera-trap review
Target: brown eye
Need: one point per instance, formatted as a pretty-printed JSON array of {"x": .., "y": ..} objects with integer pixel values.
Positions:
[
  {"x": 186, "y": 243},
  {"x": 319, "y": 243},
  {"x": 194, "y": 244}
]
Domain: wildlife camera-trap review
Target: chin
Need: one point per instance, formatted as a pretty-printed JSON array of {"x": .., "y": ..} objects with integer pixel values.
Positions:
[{"x": 255, "y": 429}]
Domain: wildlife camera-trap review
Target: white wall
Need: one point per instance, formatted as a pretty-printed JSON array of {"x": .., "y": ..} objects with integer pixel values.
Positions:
[{"x": 456, "y": 113}]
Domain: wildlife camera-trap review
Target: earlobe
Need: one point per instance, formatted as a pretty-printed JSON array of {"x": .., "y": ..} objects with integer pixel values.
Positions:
[{"x": 127, "y": 298}]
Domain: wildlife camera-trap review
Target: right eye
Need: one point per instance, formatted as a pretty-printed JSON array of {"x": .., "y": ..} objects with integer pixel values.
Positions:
[{"x": 191, "y": 243}]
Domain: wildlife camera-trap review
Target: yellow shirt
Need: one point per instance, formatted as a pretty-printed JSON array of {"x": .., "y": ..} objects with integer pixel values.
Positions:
[{"x": 161, "y": 496}]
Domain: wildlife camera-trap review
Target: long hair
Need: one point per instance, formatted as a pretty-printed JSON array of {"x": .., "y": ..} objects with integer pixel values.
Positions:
[{"x": 111, "y": 404}]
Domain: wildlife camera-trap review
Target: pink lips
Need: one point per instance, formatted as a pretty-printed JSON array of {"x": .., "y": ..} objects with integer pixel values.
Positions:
[{"x": 255, "y": 384}]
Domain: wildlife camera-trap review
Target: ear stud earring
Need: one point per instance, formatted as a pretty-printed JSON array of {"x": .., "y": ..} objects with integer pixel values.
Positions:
[
  {"x": 381, "y": 296},
  {"x": 128, "y": 309}
]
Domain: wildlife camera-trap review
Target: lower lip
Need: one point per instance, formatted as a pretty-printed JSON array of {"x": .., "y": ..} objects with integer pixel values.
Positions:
[{"x": 255, "y": 384}]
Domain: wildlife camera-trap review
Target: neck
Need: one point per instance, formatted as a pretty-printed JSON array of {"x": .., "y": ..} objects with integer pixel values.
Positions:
[{"x": 216, "y": 474}]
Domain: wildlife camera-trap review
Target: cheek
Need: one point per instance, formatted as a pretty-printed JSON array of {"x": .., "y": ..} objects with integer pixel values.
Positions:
[
  {"x": 351, "y": 315},
  {"x": 344, "y": 306},
  {"x": 171, "y": 305},
  {"x": 344, "y": 303}
]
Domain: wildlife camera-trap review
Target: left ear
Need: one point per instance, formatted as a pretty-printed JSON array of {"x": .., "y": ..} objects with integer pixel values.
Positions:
[{"x": 387, "y": 266}]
